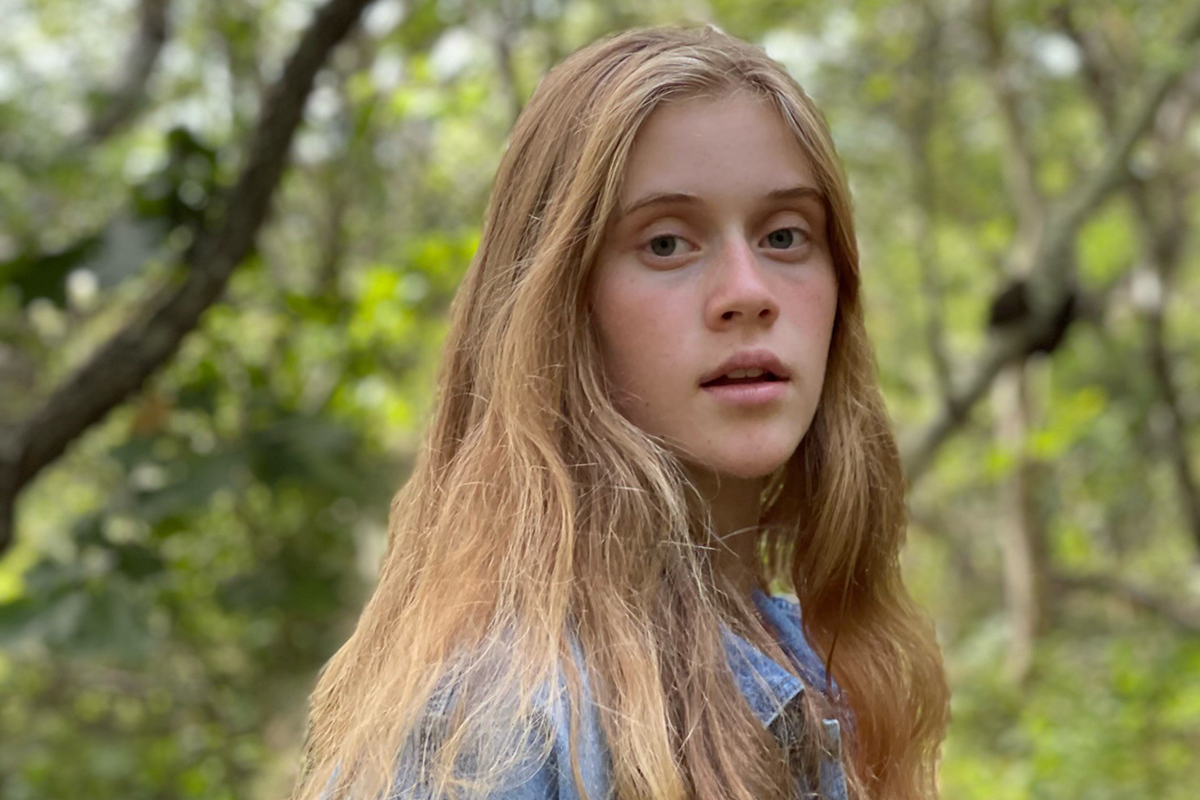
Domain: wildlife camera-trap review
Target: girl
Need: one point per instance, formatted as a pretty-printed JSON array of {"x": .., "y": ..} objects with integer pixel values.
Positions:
[{"x": 657, "y": 402}]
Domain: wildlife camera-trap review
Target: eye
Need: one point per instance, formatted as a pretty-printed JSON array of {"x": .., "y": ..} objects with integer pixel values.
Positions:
[
  {"x": 785, "y": 238},
  {"x": 665, "y": 245}
]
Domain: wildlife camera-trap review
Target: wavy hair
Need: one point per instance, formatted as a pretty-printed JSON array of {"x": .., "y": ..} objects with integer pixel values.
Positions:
[{"x": 536, "y": 512}]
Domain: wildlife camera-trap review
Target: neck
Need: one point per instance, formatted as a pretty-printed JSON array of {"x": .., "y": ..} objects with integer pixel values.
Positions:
[{"x": 735, "y": 505}]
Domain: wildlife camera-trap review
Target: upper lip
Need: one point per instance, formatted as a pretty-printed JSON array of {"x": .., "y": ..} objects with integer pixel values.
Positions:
[{"x": 749, "y": 359}]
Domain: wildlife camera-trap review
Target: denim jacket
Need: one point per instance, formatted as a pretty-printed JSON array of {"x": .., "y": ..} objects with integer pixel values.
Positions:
[{"x": 769, "y": 690}]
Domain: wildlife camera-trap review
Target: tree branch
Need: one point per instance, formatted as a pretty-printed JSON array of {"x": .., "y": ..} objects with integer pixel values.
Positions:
[
  {"x": 1052, "y": 276},
  {"x": 121, "y": 365},
  {"x": 123, "y": 102},
  {"x": 1183, "y": 617},
  {"x": 1020, "y": 161},
  {"x": 1164, "y": 239},
  {"x": 1113, "y": 167},
  {"x": 1163, "y": 236},
  {"x": 1099, "y": 69},
  {"x": 925, "y": 93}
]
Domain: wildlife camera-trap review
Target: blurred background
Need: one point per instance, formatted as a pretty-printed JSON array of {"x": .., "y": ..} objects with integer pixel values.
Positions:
[{"x": 205, "y": 407}]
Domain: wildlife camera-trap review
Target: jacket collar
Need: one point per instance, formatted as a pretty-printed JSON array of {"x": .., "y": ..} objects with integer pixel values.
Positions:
[{"x": 766, "y": 685}]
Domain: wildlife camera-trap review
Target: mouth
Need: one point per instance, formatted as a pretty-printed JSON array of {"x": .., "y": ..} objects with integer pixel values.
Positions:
[
  {"x": 726, "y": 380},
  {"x": 747, "y": 391},
  {"x": 747, "y": 366}
]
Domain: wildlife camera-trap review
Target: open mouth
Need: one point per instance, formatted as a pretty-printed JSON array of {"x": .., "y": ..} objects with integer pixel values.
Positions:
[{"x": 725, "y": 380}]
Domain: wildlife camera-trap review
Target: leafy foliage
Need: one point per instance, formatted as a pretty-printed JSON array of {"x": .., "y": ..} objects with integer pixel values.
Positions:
[{"x": 183, "y": 570}]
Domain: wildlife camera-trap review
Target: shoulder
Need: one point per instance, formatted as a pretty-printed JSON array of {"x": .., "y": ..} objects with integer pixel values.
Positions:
[
  {"x": 591, "y": 753},
  {"x": 541, "y": 771}
]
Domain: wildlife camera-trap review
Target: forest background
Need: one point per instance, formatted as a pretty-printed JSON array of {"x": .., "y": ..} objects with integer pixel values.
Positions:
[{"x": 229, "y": 234}]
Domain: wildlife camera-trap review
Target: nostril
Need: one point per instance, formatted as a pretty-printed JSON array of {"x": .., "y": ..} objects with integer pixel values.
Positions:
[{"x": 766, "y": 311}]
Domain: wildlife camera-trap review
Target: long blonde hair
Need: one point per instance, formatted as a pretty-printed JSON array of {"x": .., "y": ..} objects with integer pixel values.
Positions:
[{"x": 536, "y": 512}]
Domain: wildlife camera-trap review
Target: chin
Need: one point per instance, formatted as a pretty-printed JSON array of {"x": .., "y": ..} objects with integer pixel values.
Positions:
[
  {"x": 751, "y": 468},
  {"x": 751, "y": 472}
]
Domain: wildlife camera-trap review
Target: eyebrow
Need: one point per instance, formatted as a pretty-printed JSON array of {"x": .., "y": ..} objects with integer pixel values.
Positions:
[{"x": 658, "y": 198}]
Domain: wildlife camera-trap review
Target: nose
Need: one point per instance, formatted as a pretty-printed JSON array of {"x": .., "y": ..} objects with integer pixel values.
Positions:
[{"x": 740, "y": 292}]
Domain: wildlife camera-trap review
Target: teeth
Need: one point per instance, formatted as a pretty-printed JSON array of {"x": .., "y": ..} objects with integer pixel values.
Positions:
[{"x": 745, "y": 373}]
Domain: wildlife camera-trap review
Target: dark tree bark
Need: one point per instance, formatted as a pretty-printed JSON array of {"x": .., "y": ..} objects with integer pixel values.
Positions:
[{"x": 122, "y": 364}]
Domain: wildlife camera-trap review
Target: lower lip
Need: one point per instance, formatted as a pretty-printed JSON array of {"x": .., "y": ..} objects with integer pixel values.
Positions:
[{"x": 748, "y": 394}]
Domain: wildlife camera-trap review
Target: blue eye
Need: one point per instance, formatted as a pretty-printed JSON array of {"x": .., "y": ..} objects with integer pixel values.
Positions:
[
  {"x": 664, "y": 245},
  {"x": 784, "y": 238}
]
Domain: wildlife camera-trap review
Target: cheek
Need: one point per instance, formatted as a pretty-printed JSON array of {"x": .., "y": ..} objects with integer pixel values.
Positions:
[
  {"x": 817, "y": 304},
  {"x": 616, "y": 314},
  {"x": 633, "y": 324}
]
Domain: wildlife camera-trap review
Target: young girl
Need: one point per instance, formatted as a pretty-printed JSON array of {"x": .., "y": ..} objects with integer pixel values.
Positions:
[{"x": 657, "y": 404}]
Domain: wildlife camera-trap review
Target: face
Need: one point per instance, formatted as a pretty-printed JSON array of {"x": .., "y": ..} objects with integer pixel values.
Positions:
[{"x": 718, "y": 248}]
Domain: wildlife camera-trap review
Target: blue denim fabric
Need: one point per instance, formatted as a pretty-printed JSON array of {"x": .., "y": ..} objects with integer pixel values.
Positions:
[{"x": 769, "y": 690}]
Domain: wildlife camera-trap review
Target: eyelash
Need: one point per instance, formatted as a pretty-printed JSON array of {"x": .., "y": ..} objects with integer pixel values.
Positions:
[{"x": 803, "y": 234}]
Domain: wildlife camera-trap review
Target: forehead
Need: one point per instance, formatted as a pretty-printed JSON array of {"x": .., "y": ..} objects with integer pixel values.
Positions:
[{"x": 715, "y": 146}]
